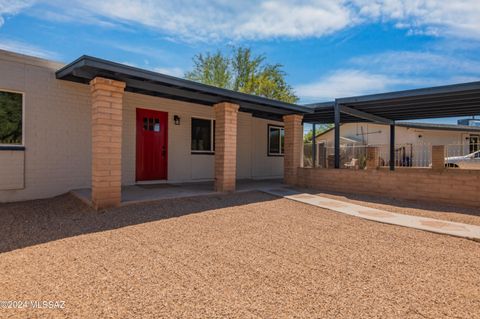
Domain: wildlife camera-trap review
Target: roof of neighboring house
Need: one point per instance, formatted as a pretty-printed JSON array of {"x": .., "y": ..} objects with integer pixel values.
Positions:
[
  {"x": 442, "y": 127},
  {"x": 429, "y": 126},
  {"x": 142, "y": 81},
  {"x": 350, "y": 140}
]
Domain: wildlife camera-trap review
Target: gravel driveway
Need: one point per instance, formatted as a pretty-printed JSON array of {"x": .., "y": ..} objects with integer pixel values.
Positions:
[{"x": 246, "y": 255}]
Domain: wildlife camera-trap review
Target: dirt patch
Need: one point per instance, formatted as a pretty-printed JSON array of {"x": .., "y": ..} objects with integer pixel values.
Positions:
[{"x": 247, "y": 255}]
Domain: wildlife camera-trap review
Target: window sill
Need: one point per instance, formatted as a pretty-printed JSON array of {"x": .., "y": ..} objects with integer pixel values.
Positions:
[
  {"x": 12, "y": 148},
  {"x": 202, "y": 153},
  {"x": 275, "y": 155}
]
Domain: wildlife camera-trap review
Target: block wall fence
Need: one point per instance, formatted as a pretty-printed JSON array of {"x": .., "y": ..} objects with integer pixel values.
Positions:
[{"x": 447, "y": 186}]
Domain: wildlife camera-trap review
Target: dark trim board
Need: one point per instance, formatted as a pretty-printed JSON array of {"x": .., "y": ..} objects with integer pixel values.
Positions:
[
  {"x": 202, "y": 153},
  {"x": 12, "y": 148}
]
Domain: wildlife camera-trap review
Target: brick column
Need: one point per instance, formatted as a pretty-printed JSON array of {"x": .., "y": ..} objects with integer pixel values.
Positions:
[
  {"x": 225, "y": 146},
  {"x": 372, "y": 157},
  {"x": 107, "y": 99},
  {"x": 438, "y": 157},
  {"x": 293, "y": 149}
]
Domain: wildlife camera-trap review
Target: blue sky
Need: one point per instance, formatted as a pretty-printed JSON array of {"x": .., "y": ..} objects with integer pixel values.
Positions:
[{"x": 329, "y": 48}]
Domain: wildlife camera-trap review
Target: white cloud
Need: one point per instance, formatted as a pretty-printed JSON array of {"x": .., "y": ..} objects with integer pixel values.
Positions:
[
  {"x": 295, "y": 19},
  {"x": 11, "y": 7},
  {"x": 220, "y": 19},
  {"x": 28, "y": 49},
  {"x": 265, "y": 19},
  {"x": 345, "y": 83},
  {"x": 390, "y": 71},
  {"x": 208, "y": 20},
  {"x": 414, "y": 63},
  {"x": 459, "y": 18}
]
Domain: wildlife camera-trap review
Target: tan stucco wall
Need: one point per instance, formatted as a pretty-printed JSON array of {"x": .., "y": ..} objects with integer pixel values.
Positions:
[
  {"x": 57, "y": 135},
  {"x": 12, "y": 172},
  {"x": 57, "y": 128},
  {"x": 264, "y": 166}
]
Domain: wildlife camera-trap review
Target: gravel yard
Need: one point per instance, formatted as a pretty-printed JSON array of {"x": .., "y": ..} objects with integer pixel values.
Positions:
[{"x": 245, "y": 255}]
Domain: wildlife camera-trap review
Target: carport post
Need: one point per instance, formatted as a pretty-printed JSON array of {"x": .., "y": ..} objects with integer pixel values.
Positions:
[
  {"x": 314, "y": 146},
  {"x": 392, "y": 147},
  {"x": 337, "y": 135}
]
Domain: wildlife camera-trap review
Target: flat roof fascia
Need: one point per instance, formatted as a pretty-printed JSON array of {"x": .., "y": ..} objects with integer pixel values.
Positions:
[{"x": 142, "y": 74}]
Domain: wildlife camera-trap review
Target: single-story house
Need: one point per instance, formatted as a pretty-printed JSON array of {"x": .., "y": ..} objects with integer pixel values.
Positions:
[
  {"x": 99, "y": 124},
  {"x": 413, "y": 140}
]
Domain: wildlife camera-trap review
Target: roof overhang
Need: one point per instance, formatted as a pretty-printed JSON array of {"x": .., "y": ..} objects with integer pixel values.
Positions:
[
  {"x": 142, "y": 81},
  {"x": 436, "y": 102}
]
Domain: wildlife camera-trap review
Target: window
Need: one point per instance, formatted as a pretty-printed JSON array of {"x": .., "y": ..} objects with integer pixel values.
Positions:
[
  {"x": 151, "y": 124},
  {"x": 276, "y": 137},
  {"x": 474, "y": 143},
  {"x": 203, "y": 133},
  {"x": 11, "y": 109}
]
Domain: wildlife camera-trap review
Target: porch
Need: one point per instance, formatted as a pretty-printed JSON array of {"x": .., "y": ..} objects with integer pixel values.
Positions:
[
  {"x": 158, "y": 141},
  {"x": 132, "y": 194}
]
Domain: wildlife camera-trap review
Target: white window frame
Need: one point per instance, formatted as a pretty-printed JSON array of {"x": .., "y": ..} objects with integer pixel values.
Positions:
[
  {"x": 22, "y": 145},
  {"x": 212, "y": 135},
  {"x": 477, "y": 136},
  {"x": 281, "y": 128}
]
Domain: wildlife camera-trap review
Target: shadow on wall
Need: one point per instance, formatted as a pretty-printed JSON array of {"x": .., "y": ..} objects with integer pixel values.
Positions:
[{"x": 35, "y": 222}]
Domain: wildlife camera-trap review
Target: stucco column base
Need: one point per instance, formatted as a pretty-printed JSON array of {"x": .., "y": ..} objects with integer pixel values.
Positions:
[
  {"x": 293, "y": 147},
  {"x": 107, "y": 102},
  {"x": 225, "y": 146}
]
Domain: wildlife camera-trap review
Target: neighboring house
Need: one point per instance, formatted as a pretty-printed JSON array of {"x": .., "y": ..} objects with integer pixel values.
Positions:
[
  {"x": 134, "y": 125},
  {"x": 413, "y": 141}
]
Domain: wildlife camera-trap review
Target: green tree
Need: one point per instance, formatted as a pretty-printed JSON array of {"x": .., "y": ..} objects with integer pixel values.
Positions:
[
  {"x": 243, "y": 72},
  {"x": 211, "y": 69},
  {"x": 319, "y": 129}
]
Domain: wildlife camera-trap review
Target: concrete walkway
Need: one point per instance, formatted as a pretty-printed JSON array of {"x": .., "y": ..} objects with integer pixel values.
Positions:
[
  {"x": 382, "y": 216},
  {"x": 141, "y": 193}
]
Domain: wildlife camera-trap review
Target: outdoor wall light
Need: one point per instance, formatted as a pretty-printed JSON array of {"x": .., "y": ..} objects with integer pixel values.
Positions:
[{"x": 176, "y": 119}]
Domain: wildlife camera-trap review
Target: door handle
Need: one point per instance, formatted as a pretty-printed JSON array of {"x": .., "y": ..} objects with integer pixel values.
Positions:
[{"x": 164, "y": 152}]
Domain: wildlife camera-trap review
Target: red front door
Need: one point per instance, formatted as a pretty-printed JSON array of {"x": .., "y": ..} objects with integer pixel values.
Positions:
[{"x": 152, "y": 148}]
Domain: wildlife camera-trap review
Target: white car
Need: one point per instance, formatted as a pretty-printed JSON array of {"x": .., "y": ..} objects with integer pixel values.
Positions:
[{"x": 470, "y": 161}]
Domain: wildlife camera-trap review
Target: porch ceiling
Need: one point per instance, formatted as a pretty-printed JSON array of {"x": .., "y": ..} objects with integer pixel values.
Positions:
[
  {"x": 142, "y": 81},
  {"x": 435, "y": 102}
]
